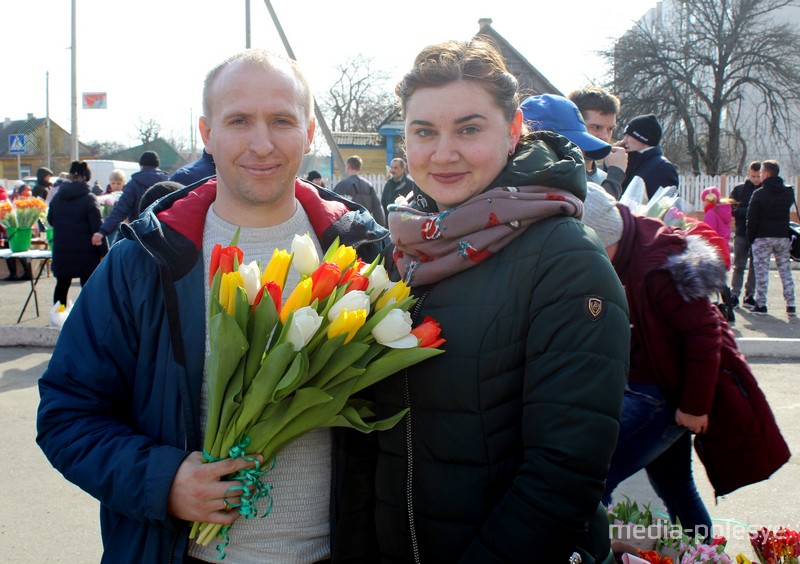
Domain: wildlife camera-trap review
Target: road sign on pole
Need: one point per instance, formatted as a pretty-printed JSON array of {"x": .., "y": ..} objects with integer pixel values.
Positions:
[{"x": 16, "y": 143}]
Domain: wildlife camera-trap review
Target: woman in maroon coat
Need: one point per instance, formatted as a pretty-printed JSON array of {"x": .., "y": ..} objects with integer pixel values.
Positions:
[{"x": 675, "y": 351}]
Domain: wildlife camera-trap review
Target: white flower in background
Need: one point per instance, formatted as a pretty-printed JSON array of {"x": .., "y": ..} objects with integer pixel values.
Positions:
[
  {"x": 305, "y": 323},
  {"x": 394, "y": 330},
  {"x": 251, "y": 276},
  {"x": 306, "y": 259},
  {"x": 351, "y": 301},
  {"x": 378, "y": 280}
]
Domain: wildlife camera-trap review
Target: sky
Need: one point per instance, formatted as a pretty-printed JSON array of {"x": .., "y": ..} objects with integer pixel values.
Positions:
[{"x": 151, "y": 56}]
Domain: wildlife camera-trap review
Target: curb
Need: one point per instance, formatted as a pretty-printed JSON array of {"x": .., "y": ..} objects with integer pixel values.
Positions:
[
  {"x": 788, "y": 349},
  {"x": 28, "y": 336}
]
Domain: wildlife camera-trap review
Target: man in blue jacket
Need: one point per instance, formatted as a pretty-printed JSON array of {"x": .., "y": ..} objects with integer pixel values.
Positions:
[
  {"x": 127, "y": 207},
  {"x": 645, "y": 157},
  {"x": 124, "y": 398}
]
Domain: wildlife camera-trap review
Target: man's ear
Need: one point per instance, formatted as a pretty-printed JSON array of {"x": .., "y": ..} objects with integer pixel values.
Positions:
[
  {"x": 205, "y": 133},
  {"x": 312, "y": 126}
]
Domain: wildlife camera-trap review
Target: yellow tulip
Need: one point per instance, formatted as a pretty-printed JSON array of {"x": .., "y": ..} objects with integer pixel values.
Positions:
[
  {"x": 227, "y": 290},
  {"x": 343, "y": 257},
  {"x": 278, "y": 268},
  {"x": 396, "y": 293},
  {"x": 347, "y": 322},
  {"x": 300, "y": 297}
]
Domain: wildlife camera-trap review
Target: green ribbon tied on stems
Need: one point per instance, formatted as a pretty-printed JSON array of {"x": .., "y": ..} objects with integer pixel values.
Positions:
[{"x": 250, "y": 485}]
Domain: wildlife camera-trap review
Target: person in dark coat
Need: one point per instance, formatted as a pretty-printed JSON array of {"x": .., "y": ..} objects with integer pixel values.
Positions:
[
  {"x": 645, "y": 157},
  {"x": 768, "y": 233},
  {"x": 503, "y": 454},
  {"x": 742, "y": 255},
  {"x": 43, "y": 184},
  {"x": 127, "y": 207},
  {"x": 74, "y": 214},
  {"x": 675, "y": 351},
  {"x": 198, "y": 170}
]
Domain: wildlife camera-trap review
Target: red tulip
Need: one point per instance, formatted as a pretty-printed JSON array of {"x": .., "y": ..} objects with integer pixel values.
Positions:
[
  {"x": 222, "y": 259},
  {"x": 324, "y": 280},
  {"x": 428, "y": 332},
  {"x": 357, "y": 280},
  {"x": 274, "y": 291}
]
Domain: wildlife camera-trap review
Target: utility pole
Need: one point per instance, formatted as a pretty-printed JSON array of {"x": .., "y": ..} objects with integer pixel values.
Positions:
[
  {"x": 246, "y": 24},
  {"x": 47, "y": 117},
  {"x": 323, "y": 125},
  {"x": 74, "y": 154}
]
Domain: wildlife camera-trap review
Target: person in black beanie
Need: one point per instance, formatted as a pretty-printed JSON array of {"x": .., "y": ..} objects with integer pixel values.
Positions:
[
  {"x": 127, "y": 207},
  {"x": 645, "y": 158}
]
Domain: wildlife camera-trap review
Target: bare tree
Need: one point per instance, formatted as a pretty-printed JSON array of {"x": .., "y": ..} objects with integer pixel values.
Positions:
[
  {"x": 712, "y": 71},
  {"x": 105, "y": 148},
  {"x": 147, "y": 131},
  {"x": 359, "y": 99}
]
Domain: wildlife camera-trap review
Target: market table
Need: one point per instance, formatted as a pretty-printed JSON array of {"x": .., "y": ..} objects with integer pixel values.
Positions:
[{"x": 45, "y": 257}]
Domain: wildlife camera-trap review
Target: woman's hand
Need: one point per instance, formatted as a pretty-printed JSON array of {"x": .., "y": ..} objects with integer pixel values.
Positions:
[{"x": 695, "y": 423}]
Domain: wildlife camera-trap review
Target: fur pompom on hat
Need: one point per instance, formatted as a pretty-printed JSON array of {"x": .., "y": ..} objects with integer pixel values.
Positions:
[
  {"x": 601, "y": 214},
  {"x": 711, "y": 191},
  {"x": 646, "y": 129}
]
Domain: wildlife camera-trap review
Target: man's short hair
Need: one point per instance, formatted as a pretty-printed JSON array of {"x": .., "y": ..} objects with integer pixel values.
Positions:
[
  {"x": 595, "y": 98},
  {"x": 399, "y": 161},
  {"x": 267, "y": 60},
  {"x": 771, "y": 167},
  {"x": 755, "y": 165},
  {"x": 355, "y": 162}
]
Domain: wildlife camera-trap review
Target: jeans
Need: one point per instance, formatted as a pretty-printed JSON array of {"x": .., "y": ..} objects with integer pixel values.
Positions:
[
  {"x": 741, "y": 257},
  {"x": 650, "y": 438}
]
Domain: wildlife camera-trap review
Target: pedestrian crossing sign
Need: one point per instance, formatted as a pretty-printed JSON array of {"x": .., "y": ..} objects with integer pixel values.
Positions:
[{"x": 16, "y": 143}]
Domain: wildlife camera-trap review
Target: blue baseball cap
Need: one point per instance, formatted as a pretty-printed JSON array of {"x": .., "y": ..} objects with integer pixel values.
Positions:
[{"x": 560, "y": 115}]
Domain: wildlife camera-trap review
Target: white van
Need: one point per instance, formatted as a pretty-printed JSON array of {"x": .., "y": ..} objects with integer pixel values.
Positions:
[{"x": 101, "y": 169}]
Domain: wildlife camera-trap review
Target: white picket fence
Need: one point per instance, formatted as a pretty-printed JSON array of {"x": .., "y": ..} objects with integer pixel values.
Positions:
[{"x": 692, "y": 186}]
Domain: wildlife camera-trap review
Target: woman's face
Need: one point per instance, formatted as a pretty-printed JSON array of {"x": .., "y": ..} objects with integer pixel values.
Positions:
[
  {"x": 116, "y": 184},
  {"x": 457, "y": 140}
]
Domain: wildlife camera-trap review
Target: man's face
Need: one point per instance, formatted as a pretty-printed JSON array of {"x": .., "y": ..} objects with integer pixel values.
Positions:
[
  {"x": 632, "y": 144},
  {"x": 754, "y": 176},
  {"x": 397, "y": 170},
  {"x": 258, "y": 132},
  {"x": 600, "y": 125}
]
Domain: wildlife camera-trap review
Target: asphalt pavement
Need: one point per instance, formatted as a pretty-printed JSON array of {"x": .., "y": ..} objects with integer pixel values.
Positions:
[{"x": 44, "y": 518}]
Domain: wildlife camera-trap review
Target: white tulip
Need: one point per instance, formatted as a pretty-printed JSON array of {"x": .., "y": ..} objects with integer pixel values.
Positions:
[
  {"x": 251, "y": 275},
  {"x": 351, "y": 301},
  {"x": 306, "y": 259},
  {"x": 378, "y": 280},
  {"x": 305, "y": 323},
  {"x": 394, "y": 330}
]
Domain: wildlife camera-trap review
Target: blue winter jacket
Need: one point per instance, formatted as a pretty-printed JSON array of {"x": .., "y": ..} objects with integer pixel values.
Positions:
[
  {"x": 120, "y": 399},
  {"x": 127, "y": 207}
]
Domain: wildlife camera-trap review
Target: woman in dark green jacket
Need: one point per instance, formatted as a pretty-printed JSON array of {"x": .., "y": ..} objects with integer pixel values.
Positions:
[{"x": 504, "y": 452}]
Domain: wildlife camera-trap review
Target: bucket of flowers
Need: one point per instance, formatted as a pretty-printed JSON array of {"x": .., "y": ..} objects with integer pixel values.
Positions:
[
  {"x": 278, "y": 370},
  {"x": 19, "y": 217}
]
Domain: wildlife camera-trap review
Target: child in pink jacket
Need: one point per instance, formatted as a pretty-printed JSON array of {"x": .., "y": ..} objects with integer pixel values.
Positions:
[{"x": 718, "y": 214}]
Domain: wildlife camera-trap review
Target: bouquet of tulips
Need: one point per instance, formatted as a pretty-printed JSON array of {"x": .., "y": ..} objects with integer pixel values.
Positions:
[
  {"x": 22, "y": 212},
  {"x": 278, "y": 371},
  {"x": 774, "y": 547},
  {"x": 107, "y": 203}
]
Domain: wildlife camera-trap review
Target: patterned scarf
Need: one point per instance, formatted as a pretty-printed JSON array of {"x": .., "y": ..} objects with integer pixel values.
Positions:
[{"x": 432, "y": 246}]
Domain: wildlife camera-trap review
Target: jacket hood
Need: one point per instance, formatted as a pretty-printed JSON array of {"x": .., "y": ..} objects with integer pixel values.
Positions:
[
  {"x": 149, "y": 176},
  {"x": 698, "y": 271},
  {"x": 773, "y": 184},
  {"x": 696, "y": 267},
  {"x": 547, "y": 159},
  {"x": 73, "y": 190}
]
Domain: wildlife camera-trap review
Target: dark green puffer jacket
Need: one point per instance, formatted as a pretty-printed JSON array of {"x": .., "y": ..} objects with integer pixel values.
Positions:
[{"x": 505, "y": 450}]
